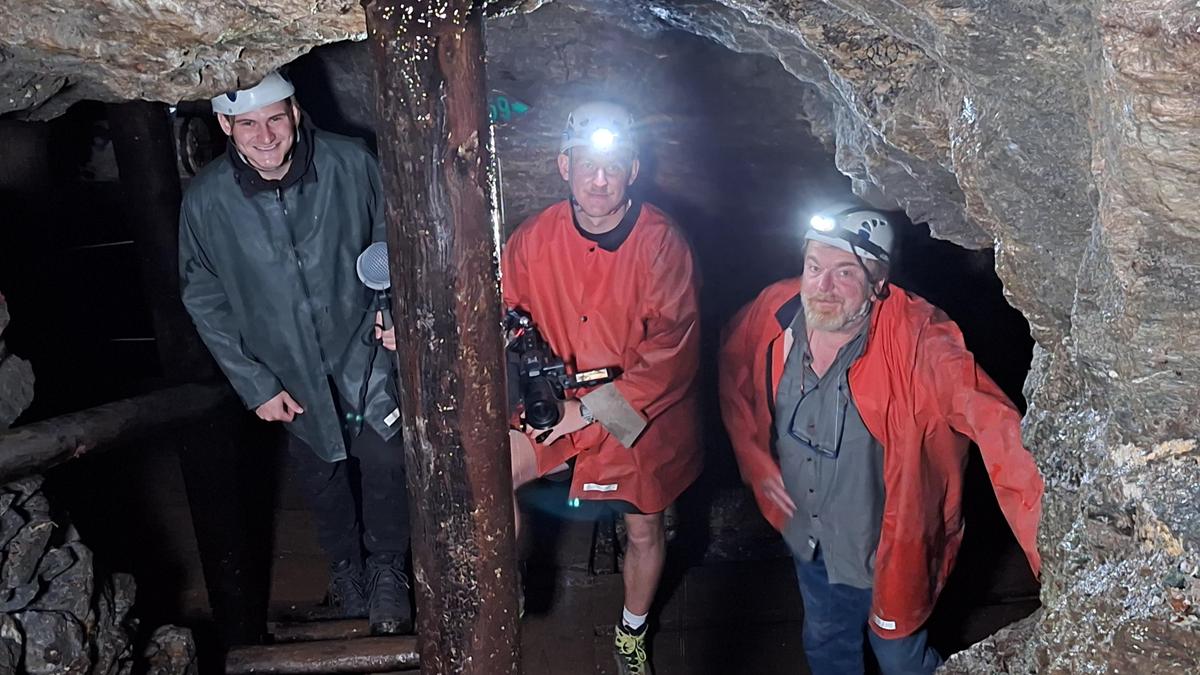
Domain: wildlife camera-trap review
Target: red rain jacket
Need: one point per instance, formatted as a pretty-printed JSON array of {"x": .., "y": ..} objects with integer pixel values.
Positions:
[
  {"x": 634, "y": 308},
  {"x": 923, "y": 398}
]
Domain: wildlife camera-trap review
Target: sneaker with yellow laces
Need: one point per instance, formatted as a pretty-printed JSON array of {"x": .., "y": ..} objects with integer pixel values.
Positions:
[{"x": 629, "y": 648}]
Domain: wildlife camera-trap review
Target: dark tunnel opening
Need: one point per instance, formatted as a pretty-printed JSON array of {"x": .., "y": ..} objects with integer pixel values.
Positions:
[{"x": 729, "y": 157}]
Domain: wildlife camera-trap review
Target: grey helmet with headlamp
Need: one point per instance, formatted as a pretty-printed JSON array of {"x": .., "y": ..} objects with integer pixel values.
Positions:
[
  {"x": 860, "y": 230},
  {"x": 601, "y": 125}
]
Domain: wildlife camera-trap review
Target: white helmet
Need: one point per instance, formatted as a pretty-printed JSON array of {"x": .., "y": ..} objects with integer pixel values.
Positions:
[
  {"x": 600, "y": 124},
  {"x": 272, "y": 89},
  {"x": 859, "y": 230}
]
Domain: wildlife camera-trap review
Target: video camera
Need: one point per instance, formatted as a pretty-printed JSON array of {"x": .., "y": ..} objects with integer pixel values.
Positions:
[{"x": 537, "y": 377}]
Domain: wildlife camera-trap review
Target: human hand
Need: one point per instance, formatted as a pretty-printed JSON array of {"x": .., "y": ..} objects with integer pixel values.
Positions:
[
  {"x": 281, "y": 408},
  {"x": 572, "y": 421},
  {"x": 775, "y": 491},
  {"x": 387, "y": 337}
]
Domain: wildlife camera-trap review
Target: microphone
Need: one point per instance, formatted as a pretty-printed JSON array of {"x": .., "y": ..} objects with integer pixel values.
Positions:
[{"x": 372, "y": 267}]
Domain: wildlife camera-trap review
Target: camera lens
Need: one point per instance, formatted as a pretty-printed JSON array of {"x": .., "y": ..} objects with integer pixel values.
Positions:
[
  {"x": 542, "y": 414},
  {"x": 542, "y": 408}
]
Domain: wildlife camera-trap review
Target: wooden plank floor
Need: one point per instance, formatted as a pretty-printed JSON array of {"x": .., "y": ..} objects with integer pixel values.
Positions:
[{"x": 717, "y": 617}]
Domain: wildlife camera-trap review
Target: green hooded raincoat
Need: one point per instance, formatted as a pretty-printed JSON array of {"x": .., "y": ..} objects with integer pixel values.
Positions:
[{"x": 269, "y": 280}]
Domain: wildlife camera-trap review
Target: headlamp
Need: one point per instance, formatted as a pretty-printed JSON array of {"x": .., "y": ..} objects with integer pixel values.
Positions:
[
  {"x": 603, "y": 139},
  {"x": 822, "y": 224}
]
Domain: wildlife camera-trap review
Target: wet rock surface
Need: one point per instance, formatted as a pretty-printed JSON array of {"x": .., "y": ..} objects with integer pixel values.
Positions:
[
  {"x": 56, "y": 614},
  {"x": 171, "y": 651},
  {"x": 16, "y": 377},
  {"x": 1062, "y": 133}
]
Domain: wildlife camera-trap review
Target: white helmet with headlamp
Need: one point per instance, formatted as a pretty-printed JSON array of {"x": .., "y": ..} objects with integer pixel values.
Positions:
[
  {"x": 272, "y": 89},
  {"x": 862, "y": 231},
  {"x": 601, "y": 125}
]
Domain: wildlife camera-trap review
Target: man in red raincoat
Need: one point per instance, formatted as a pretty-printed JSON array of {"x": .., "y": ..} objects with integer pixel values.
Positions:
[
  {"x": 850, "y": 404},
  {"x": 610, "y": 283}
]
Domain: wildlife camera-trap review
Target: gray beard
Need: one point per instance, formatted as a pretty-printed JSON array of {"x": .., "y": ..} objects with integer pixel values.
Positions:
[{"x": 835, "y": 324}]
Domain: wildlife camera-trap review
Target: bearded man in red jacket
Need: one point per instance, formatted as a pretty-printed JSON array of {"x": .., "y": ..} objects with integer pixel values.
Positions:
[
  {"x": 610, "y": 283},
  {"x": 850, "y": 404}
]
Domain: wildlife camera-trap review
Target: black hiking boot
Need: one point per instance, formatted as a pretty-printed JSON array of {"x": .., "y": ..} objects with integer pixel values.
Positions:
[
  {"x": 388, "y": 608},
  {"x": 347, "y": 589}
]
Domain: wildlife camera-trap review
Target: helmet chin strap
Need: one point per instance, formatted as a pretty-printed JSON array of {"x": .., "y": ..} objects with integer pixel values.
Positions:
[{"x": 878, "y": 291}]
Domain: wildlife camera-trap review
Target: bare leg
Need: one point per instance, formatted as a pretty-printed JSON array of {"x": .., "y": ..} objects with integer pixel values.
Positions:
[
  {"x": 645, "y": 554},
  {"x": 524, "y": 468}
]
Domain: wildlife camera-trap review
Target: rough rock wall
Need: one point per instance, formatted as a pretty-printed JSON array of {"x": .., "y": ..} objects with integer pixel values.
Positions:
[
  {"x": 56, "y": 52},
  {"x": 56, "y": 615},
  {"x": 1063, "y": 133},
  {"x": 1116, "y": 422},
  {"x": 16, "y": 377}
]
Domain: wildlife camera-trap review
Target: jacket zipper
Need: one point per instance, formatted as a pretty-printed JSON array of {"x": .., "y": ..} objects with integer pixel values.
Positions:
[{"x": 303, "y": 281}]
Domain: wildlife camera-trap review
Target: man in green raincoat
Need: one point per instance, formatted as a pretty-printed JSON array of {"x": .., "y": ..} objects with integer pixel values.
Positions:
[{"x": 269, "y": 236}]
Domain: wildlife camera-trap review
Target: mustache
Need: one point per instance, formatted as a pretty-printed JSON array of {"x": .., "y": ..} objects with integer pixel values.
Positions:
[{"x": 824, "y": 297}]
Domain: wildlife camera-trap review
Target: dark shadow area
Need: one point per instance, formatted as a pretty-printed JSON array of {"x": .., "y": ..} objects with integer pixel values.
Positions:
[
  {"x": 69, "y": 268},
  {"x": 130, "y": 506},
  {"x": 319, "y": 78}
]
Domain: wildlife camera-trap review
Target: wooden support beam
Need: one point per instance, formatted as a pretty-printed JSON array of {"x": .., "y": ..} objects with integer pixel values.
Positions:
[
  {"x": 306, "y": 631},
  {"x": 364, "y": 655},
  {"x": 434, "y": 140},
  {"x": 34, "y": 448}
]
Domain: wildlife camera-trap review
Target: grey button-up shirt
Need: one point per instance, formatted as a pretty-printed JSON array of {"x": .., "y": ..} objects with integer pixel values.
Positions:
[{"x": 832, "y": 466}]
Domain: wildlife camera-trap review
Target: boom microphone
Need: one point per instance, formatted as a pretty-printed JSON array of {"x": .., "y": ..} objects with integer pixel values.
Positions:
[{"x": 373, "y": 267}]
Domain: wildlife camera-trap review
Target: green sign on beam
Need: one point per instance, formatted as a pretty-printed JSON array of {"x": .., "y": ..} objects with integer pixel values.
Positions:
[{"x": 502, "y": 108}]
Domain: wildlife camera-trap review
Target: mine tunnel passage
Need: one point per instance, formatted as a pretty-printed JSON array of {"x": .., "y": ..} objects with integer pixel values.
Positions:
[{"x": 730, "y": 151}]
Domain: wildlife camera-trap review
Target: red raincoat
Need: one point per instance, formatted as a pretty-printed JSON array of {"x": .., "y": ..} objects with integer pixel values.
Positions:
[
  {"x": 634, "y": 308},
  {"x": 923, "y": 398}
]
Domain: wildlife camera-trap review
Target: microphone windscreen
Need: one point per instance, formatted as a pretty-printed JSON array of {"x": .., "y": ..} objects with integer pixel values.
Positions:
[{"x": 373, "y": 267}]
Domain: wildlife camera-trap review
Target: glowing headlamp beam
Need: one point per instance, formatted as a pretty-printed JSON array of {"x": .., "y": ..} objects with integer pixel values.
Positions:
[
  {"x": 821, "y": 224},
  {"x": 603, "y": 139}
]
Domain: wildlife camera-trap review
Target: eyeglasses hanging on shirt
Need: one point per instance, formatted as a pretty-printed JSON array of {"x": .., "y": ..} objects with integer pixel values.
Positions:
[{"x": 826, "y": 444}]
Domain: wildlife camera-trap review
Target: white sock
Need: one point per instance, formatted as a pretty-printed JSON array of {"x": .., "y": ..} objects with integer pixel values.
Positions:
[{"x": 631, "y": 620}]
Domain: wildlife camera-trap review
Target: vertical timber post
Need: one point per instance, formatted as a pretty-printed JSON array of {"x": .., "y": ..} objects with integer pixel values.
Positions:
[
  {"x": 211, "y": 460},
  {"x": 443, "y": 241}
]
